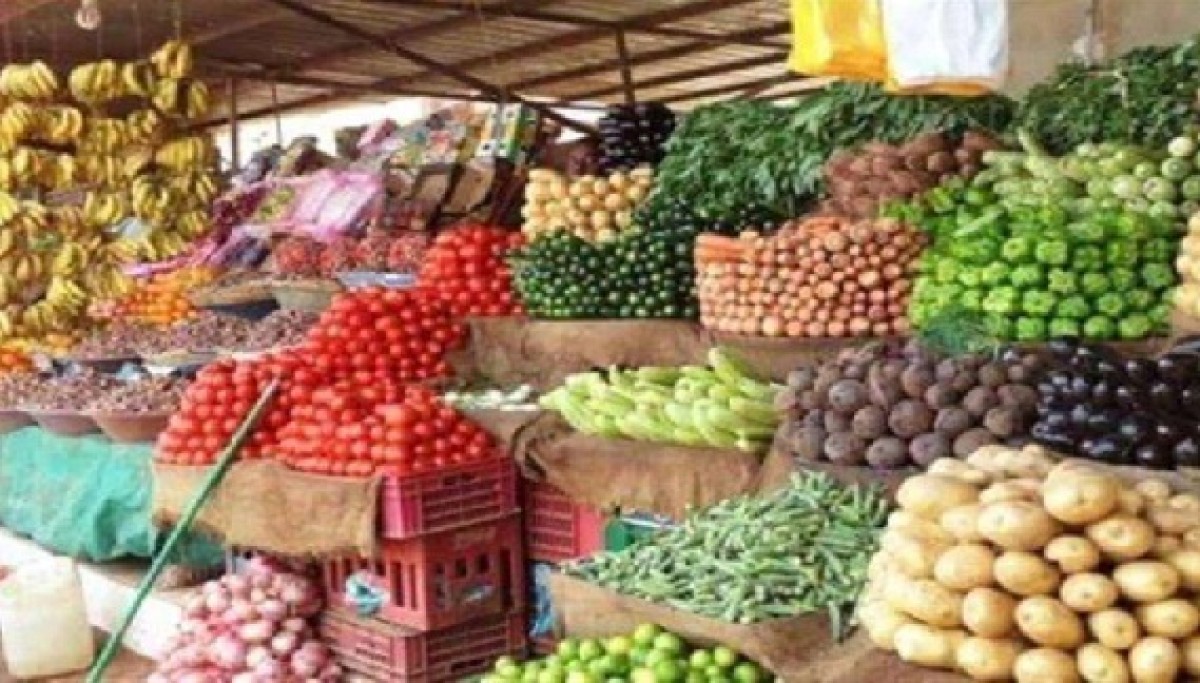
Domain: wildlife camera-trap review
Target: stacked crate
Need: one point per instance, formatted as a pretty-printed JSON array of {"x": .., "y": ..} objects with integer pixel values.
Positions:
[
  {"x": 557, "y": 529},
  {"x": 450, "y": 566}
]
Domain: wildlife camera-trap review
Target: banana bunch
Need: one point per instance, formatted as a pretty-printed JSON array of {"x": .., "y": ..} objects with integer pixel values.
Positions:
[
  {"x": 22, "y": 267},
  {"x": 19, "y": 122},
  {"x": 198, "y": 185},
  {"x": 28, "y": 82},
  {"x": 139, "y": 79},
  {"x": 186, "y": 153},
  {"x": 59, "y": 125},
  {"x": 100, "y": 169},
  {"x": 192, "y": 224},
  {"x": 97, "y": 82},
  {"x": 10, "y": 207},
  {"x": 182, "y": 98},
  {"x": 68, "y": 221},
  {"x": 145, "y": 126},
  {"x": 173, "y": 60},
  {"x": 27, "y": 167},
  {"x": 159, "y": 245},
  {"x": 105, "y": 135},
  {"x": 137, "y": 162},
  {"x": 152, "y": 200},
  {"x": 71, "y": 259},
  {"x": 56, "y": 171},
  {"x": 102, "y": 210}
]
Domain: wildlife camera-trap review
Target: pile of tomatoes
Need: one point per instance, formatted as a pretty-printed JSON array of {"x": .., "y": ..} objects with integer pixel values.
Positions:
[
  {"x": 395, "y": 430},
  {"x": 371, "y": 345},
  {"x": 466, "y": 268}
]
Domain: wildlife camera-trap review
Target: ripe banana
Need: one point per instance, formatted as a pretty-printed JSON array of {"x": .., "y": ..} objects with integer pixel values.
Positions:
[
  {"x": 28, "y": 82},
  {"x": 173, "y": 59}
]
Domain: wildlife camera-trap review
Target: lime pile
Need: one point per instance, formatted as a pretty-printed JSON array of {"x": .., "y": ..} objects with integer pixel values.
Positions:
[{"x": 648, "y": 655}]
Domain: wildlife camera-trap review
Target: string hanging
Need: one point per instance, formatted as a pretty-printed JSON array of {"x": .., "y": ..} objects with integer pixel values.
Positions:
[{"x": 278, "y": 114}]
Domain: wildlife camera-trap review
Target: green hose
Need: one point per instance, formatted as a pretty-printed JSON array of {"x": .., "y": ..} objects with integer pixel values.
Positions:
[{"x": 215, "y": 475}]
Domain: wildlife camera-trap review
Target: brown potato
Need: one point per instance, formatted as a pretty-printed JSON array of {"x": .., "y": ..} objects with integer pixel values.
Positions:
[
  {"x": 1146, "y": 581},
  {"x": 1121, "y": 537},
  {"x": 1073, "y": 554},
  {"x": 1175, "y": 618},
  {"x": 1048, "y": 622},
  {"x": 1026, "y": 574},
  {"x": 988, "y": 659},
  {"x": 1045, "y": 665},
  {"x": 965, "y": 567},
  {"x": 1099, "y": 664},
  {"x": 989, "y": 613},
  {"x": 1088, "y": 592},
  {"x": 1114, "y": 628},
  {"x": 1155, "y": 660}
]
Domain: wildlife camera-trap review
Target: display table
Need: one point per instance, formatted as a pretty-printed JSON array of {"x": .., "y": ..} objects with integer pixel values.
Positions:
[{"x": 85, "y": 497}]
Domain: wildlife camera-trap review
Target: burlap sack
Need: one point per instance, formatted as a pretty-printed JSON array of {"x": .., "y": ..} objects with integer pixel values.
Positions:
[
  {"x": 265, "y": 506},
  {"x": 635, "y": 475},
  {"x": 797, "y": 650}
]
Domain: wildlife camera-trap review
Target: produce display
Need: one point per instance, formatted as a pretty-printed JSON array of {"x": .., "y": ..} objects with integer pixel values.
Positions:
[
  {"x": 590, "y": 208},
  {"x": 465, "y": 268},
  {"x": 1008, "y": 567},
  {"x": 143, "y": 395},
  {"x": 1031, "y": 273},
  {"x": 887, "y": 406},
  {"x": 813, "y": 538},
  {"x": 404, "y": 430},
  {"x": 1144, "y": 96},
  {"x": 204, "y": 332},
  {"x": 1133, "y": 411},
  {"x": 638, "y": 275},
  {"x": 280, "y": 329},
  {"x": 633, "y": 135},
  {"x": 858, "y": 182},
  {"x": 162, "y": 300},
  {"x": 649, "y": 654},
  {"x": 70, "y": 392},
  {"x": 720, "y": 406},
  {"x": 820, "y": 277},
  {"x": 727, "y": 156},
  {"x": 249, "y": 627},
  {"x": 1187, "y": 266}
]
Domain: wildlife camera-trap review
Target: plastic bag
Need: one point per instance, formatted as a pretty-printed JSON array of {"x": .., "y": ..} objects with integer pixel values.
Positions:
[
  {"x": 841, "y": 38},
  {"x": 948, "y": 47}
]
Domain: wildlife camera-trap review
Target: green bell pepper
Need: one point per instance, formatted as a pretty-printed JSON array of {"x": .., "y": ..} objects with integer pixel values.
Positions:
[
  {"x": 1159, "y": 250},
  {"x": 1064, "y": 328},
  {"x": 1140, "y": 300},
  {"x": 946, "y": 271},
  {"x": 1017, "y": 249},
  {"x": 1074, "y": 307},
  {"x": 1121, "y": 253},
  {"x": 971, "y": 299},
  {"x": 1086, "y": 232},
  {"x": 1088, "y": 257},
  {"x": 993, "y": 274},
  {"x": 1094, "y": 284},
  {"x": 1030, "y": 329},
  {"x": 1037, "y": 303},
  {"x": 1158, "y": 276},
  {"x": 1063, "y": 282},
  {"x": 1122, "y": 279},
  {"x": 1001, "y": 301},
  {"x": 1052, "y": 252},
  {"x": 1027, "y": 275},
  {"x": 1099, "y": 328},
  {"x": 998, "y": 326},
  {"x": 1111, "y": 304},
  {"x": 1136, "y": 326}
]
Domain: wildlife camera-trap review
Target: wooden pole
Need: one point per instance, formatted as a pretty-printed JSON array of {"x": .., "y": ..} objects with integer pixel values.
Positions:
[
  {"x": 627, "y": 85},
  {"x": 234, "y": 127}
]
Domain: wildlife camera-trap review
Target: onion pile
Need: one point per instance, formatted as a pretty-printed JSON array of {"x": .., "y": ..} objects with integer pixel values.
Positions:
[
  {"x": 860, "y": 182},
  {"x": 1187, "y": 264},
  {"x": 594, "y": 209},
  {"x": 249, "y": 628},
  {"x": 820, "y": 277}
]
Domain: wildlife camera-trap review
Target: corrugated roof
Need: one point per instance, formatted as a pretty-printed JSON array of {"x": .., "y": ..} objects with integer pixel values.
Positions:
[{"x": 318, "y": 51}]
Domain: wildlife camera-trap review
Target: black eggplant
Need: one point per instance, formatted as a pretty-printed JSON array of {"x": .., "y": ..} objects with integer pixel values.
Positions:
[
  {"x": 1110, "y": 449},
  {"x": 1178, "y": 368},
  {"x": 1155, "y": 456},
  {"x": 1167, "y": 432},
  {"x": 1189, "y": 400},
  {"x": 1187, "y": 452},
  {"x": 1135, "y": 428},
  {"x": 1164, "y": 397},
  {"x": 1051, "y": 438},
  {"x": 1130, "y": 398},
  {"x": 1103, "y": 394},
  {"x": 1110, "y": 371},
  {"x": 1063, "y": 348},
  {"x": 1080, "y": 389},
  {"x": 1141, "y": 372},
  {"x": 1079, "y": 417},
  {"x": 1102, "y": 422}
]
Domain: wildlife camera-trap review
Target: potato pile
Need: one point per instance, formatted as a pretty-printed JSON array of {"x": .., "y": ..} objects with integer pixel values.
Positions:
[
  {"x": 595, "y": 209},
  {"x": 889, "y": 405},
  {"x": 1009, "y": 567},
  {"x": 816, "y": 277},
  {"x": 862, "y": 181}
]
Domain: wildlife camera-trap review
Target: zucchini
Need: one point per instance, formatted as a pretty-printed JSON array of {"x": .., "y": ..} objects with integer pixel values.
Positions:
[
  {"x": 680, "y": 415},
  {"x": 755, "y": 411},
  {"x": 659, "y": 375}
]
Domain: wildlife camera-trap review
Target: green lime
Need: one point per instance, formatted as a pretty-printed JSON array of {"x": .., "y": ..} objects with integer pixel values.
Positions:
[
  {"x": 509, "y": 670},
  {"x": 654, "y": 657},
  {"x": 568, "y": 649},
  {"x": 552, "y": 662},
  {"x": 620, "y": 664},
  {"x": 590, "y": 649},
  {"x": 530, "y": 675},
  {"x": 700, "y": 660},
  {"x": 504, "y": 663},
  {"x": 645, "y": 634},
  {"x": 695, "y": 676},
  {"x": 638, "y": 656},
  {"x": 552, "y": 676},
  {"x": 668, "y": 642},
  {"x": 492, "y": 678},
  {"x": 577, "y": 665},
  {"x": 581, "y": 677},
  {"x": 724, "y": 657},
  {"x": 618, "y": 645},
  {"x": 747, "y": 672},
  {"x": 642, "y": 675},
  {"x": 668, "y": 671}
]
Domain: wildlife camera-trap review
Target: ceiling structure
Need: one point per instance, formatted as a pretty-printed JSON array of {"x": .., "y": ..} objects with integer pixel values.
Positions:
[{"x": 278, "y": 55}]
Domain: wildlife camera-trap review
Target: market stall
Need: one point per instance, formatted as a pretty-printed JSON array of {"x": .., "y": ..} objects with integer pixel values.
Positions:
[{"x": 875, "y": 385}]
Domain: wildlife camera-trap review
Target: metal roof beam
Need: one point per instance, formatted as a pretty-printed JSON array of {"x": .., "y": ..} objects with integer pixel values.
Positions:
[{"x": 688, "y": 75}]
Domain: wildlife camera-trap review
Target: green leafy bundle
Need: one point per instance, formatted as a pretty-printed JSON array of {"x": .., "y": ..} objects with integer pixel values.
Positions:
[{"x": 1144, "y": 96}]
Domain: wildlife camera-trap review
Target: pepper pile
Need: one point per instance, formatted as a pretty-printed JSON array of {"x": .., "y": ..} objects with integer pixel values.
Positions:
[
  {"x": 1121, "y": 411},
  {"x": 465, "y": 268},
  {"x": 1037, "y": 272}
]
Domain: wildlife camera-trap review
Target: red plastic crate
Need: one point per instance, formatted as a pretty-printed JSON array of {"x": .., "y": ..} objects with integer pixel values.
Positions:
[
  {"x": 449, "y": 498},
  {"x": 442, "y": 579},
  {"x": 557, "y": 528},
  {"x": 385, "y": 652}
]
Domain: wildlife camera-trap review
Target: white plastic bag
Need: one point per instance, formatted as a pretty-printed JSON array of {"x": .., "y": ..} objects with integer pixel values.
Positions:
[{"x": 946, "y": 45}]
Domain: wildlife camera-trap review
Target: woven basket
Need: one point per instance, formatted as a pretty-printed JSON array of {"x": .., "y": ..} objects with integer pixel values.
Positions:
[
  {"x": 232, "y": 295},
  {"x": 305, "y": 295}
]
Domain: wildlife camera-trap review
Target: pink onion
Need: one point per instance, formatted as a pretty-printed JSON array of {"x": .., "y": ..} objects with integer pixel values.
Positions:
[
  {"x": 295, "y": 625},
  {"x": 239, "y": 586},
  {"x": 216, "y": 602},
  {"x": 269, "y": 670},
  {"x": 306, "y": 665},
  {"x": 284, "y": 643},
  {"x": 256, "y": 632},
  {"x": 257, "y": 655},
  {"x": 240, "y": 609},
  {"x": 158, "y": 678},
  {"x": 272, "y": 609},
  {"x": 258, "y": 595},
  {"x": 229, "y": 653},
  {"x": 193, "y": 676},
  {"x": 244, "y": 677},
  {"x": 331, "y": 673},
  {"x": 296, "y": 591},
  {"x": 195, "y": 606}
]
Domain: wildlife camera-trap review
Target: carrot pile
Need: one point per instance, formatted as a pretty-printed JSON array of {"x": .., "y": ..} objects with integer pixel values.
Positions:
[{"x": 818, "y": 277}]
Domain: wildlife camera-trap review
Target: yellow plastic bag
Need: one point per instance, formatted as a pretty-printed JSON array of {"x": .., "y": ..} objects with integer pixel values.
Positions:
[{"x": 842, "y": 38}]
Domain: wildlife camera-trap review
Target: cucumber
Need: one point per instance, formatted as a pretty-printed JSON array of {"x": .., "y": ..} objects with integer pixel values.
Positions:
[
  {"x": 721, "y": 393},
  {"x": 613, "y": 404},
  {"x": 659, "y": 375},
  {"x": 755, "y": 433},
  {"x": 606, "y": 425},
  {"x": 688, "y": 437},
  {"x": 755, "y": 411},
  {"x": 583, "y": 380},
  {"x": 729, "y": 369},
  {"x": 698, "y": 373},
  {"x": 758, "y": 390},
  {"x": 716, "y": 437},
  {"x": 723, "y": 418},
  {"x": 680, "y": 415}
]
